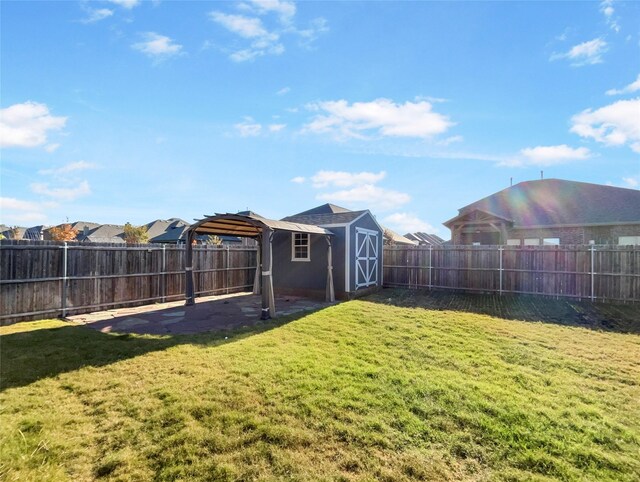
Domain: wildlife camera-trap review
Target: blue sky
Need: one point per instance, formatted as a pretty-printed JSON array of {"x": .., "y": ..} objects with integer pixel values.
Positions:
[{"x": 130, "y": 111}]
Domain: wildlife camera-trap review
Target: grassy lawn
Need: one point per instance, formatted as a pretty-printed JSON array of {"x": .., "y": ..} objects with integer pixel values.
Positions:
[{"x": 365, "y": 390}]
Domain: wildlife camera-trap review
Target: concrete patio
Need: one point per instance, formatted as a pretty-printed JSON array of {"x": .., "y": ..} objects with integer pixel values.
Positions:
[{"x": 207, "y": 314}]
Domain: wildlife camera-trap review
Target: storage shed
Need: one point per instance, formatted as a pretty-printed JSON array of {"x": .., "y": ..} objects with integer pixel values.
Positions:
[{"x": 327, "y": 252}]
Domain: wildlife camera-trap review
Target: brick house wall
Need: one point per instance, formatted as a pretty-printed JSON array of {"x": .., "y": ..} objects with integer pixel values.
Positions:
[{"x": 567, "y": 235}]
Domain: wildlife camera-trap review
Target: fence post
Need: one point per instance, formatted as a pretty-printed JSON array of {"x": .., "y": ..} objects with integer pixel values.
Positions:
[
  {"x": 226, "y": 269},
  {"x": 500, "y": 250},
  {"x": 63, "y": 296},
  {"x": 430, "y": 263},
  {"x": 164, "y": 273},
  {"x": 593, "y": 250}
]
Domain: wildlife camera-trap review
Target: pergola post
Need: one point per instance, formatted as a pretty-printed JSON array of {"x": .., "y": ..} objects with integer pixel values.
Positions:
[
  {"x": 188, "y": 269},
  {"x": 330, "y": 294},
  {"x": 268, "y": 301},
  {"x": 256, "y": 279}
]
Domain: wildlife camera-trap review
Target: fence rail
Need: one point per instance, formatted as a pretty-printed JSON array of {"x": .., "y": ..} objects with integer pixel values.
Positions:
[
  {"x": 39, "y": 278},
  {"x": 597, "y": 273}
]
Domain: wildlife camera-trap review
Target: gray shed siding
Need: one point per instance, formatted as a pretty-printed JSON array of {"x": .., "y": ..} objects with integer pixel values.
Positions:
[{"x": 303, "y": 276}]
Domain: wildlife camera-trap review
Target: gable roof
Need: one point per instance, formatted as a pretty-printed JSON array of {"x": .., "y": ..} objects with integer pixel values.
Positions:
[
  {"x": 324, "y": 209},
  {"x": 556, "y": 202},
  {"x": 425, "y": 238},
  {"x": 396, "y": 238},
  {"x": 105, "y": 233},
  {"x": 160, "y": 226}
]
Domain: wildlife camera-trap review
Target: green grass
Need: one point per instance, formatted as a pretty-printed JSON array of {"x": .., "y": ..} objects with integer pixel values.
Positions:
[{"x": 364, "y": 390}]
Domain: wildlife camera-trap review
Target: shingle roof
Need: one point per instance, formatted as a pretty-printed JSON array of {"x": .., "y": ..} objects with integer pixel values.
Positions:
[
  {"x": 426, "y": 238},
  {"x": 398, "y": 238},
  {"x": 552, "y": 202},
  {"x": 324, "y": 209},
  {"x": 324, "y": 215},
  {"x": 160, "y": 226},
  {"x": 105, "y": 233}
]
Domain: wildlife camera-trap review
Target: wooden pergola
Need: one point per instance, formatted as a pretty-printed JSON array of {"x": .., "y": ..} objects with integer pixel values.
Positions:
[{"x": 262, "y": 230}]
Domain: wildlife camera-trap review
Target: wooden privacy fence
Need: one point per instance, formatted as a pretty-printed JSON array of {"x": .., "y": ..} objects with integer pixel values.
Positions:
[
  {"x": 49, "y": 278},
  {"x": 597, "y": 273}
]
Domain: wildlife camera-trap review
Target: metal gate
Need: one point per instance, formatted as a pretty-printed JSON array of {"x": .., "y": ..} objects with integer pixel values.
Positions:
[{"x": 366, "y": 258}]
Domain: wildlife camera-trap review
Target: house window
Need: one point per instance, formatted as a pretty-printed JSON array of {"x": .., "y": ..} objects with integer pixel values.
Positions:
[
  {"x": 532, "y": 242},
  {"x": 300, "y": 247},
  {"x": 628, "y": 240},
  {"x": 551, "y": 241},
  {"x": 513, "y": 242}
]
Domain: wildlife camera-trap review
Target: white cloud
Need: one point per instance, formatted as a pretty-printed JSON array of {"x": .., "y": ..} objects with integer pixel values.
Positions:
[
  {"x": 408, "y": 223},
  {"x": 606, "y": 7},
  {"x": 616, "y": 124},
  {"x": 66, "y": 169},
  {"x": 361, "y": 189},
  {"x": 381, "y": 116},
  {"x": 345, "y": 179},
  {"x": 276, "y": 127},
  {"x": 97, "y": 14},
  {"x": 128, "y": 4},
  {"x": 373, "y": 197},
  {"x": 51, "y": 147},
  {"x": 263, "y": 34},
  {"x": 450, "y": 140},
  {"x": 298, "y": 180},
  {"x": 586, "y": 53},
  {"x": 27, "y": 125},
  {"x": 248, "y": 128},
  {"x": 284, "y": 9},
  {"x": 629, "y": 89},
  {"x": 247, "y": 27},
  {"x": 23, "y": 213},
  {"x": 61, "y": 193},
  {"x": 158, "y": 47},
  {"x": 632, "y": 182},
  {"x": 283, "y": 91},
  {"x": 550, "y": 155}
]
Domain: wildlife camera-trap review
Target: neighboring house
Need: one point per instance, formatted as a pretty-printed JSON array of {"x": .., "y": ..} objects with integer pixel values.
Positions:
[
  {"x": 551, "y": 211},
  {"x": 165, "y": 229},
  {"x": 425, "y": 239},
  {"x": 104, "y": 233},
  {"x": 391, "y": 238}
]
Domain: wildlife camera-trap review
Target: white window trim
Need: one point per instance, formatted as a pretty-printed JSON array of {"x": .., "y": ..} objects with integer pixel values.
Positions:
[{"x": 293, "y": 247}]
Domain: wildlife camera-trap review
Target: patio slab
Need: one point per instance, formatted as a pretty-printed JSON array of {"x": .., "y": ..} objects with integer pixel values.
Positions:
[{"x": 207, "y": 314}]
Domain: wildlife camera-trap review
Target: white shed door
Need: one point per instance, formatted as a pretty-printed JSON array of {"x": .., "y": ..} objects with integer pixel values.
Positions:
[{"x": 366, "y": 257}]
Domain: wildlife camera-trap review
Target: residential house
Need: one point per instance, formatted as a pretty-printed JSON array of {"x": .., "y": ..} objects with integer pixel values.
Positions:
[{"x": 551, "y": 211}]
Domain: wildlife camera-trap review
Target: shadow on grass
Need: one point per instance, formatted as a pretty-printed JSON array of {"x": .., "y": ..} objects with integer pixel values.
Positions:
[
  {"x": 621, "y": 318},
  {"x": 28, "y": 356}
]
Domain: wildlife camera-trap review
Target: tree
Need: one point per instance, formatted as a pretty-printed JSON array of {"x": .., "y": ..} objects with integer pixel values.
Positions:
[
  {"x": 212, "y": 239},
  {"x": 63, "y": 232},
  {"x": 135, "y": 234}
]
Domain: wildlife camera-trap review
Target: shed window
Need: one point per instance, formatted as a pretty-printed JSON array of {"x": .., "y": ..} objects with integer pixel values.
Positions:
[
  {"x": 513, "y": 242},
  {"x": 531, "y": 242},
  {"x": 300, "y": 247},
  {"x": 551, "y": 241}
]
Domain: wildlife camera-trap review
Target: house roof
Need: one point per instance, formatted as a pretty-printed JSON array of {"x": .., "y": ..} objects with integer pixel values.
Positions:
[
  {"x": 553, "y": 202},
  {"x": 425, "y": 238},
  {"x": 160, "y": 226},
  {"x": 398, "y": 238},
  {"x": 105, "y": 233}
]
